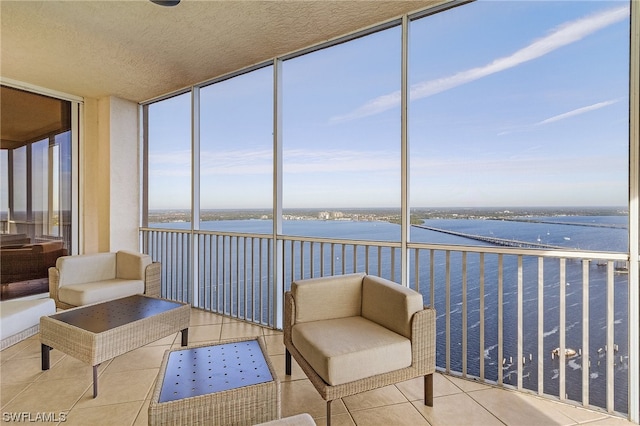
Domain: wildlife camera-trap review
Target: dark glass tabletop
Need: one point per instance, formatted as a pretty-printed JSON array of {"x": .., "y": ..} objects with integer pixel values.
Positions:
[{"x": 115, "y": 313}]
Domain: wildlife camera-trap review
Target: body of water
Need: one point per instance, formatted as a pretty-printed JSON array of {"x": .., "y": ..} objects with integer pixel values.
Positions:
[{"x": 591, "y": 233}]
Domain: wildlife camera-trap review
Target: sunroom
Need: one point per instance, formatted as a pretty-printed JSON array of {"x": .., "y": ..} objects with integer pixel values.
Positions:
[{"x": 483, "y": 153}]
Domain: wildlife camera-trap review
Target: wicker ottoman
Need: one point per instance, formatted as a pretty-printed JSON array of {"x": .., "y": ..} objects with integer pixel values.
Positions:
[{"x": 230, "y": 383}]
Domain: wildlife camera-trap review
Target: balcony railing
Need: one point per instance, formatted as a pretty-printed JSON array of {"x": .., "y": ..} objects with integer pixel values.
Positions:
[{"x": 550, "y": 322}]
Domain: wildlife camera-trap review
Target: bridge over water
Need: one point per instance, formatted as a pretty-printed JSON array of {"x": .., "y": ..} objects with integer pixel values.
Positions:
[
  {"x": 493, "y": 240},
  {"x": 555, "y": 222}
]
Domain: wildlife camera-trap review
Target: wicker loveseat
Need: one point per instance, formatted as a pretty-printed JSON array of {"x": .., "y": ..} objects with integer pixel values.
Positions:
[
  {"x": 92, "y": 278},
  {"x": 357, "y": 332}
]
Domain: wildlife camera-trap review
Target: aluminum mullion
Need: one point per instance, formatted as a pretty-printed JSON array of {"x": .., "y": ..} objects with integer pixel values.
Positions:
[
  {"x": 464, "y": 314},
  {"x": 333, "y": 254},
  {"x": 244, "y": 276},
  {"x": 520, "y": 323},
  {"x": 355, "y": 258},
  {"x": 585, "y": 332},
  {"x": 610, "y": 335},
  {"x": 500, "y": 318},
  {"x": 540, "y": 326},
  {"x": 237, "y": 281},
  {"x": 301, "y": 260},
  {"x": 417, "y": 269},
  {"x": 311, "y": 258},
  {"x": 260, "y": 308},
  {"x": 448, "y": 310},
  {"x": 562, "y": 355},
  {"x": 293, "y": 264},
  {"x": 366, "y": 259},
  {"x": 432, "y": 278},
  {"x": 481, "y": 289}
]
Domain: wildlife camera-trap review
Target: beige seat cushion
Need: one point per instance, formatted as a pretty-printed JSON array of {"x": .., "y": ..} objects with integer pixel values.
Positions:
[
  {"x": 346, "y": 349},
  {"x": 99, "y": 291},
  {"x": 21, "y": 314}
]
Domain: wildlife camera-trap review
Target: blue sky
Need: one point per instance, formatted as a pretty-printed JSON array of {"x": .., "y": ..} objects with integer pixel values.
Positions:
[{"x": 512, "y": 104}]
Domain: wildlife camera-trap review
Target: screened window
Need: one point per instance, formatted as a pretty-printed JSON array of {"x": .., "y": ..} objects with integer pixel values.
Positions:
[
  {"x": 341, "y": 150},
  {"x": 236, "y": 151},
  {"x": 169, "y": 162}
]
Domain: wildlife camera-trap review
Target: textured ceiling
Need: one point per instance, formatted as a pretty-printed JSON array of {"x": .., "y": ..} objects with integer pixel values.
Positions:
[
  {"x": 137, "y": 50},
  {"x": 28, "y": 116}
]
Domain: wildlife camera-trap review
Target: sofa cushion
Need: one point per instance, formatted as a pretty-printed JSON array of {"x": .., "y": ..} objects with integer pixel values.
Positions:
[
  {"x": 390, "y": 304},
  {"x": 327, "y": 297},
  {"x": 86, "y": 268},
  {"x": 21, "y": 314},
  {"x": 131, "y": 265},
  {"x": 347, "y": 349},
  {"x": 99, "y": 291}
]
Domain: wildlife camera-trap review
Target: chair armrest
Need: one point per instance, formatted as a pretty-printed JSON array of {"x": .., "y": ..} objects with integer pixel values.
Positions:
[
  {"x": 289, "y": 316},
  {"x": 54, "y": 284},
  {"x": 152, "y": 278},
  {"x": 423, "y": 340}
]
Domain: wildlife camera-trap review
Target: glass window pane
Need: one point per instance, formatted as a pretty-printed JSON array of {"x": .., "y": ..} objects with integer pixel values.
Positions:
[
  {"x": 524, "y": 105},
  {"x": 40, "y": 186},
  {"x": 236, "y": 152},
  {"x": 169, "y": 153},
  {"x": 19, "y": 169},
  {"x": 341, "y": 136}
]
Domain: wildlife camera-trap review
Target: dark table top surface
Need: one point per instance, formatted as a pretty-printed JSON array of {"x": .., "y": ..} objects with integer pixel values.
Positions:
[{"x": 115, "y": 313}]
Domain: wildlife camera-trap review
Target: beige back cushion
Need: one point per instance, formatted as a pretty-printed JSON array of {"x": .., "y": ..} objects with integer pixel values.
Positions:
[
  {"x": 86, "y": 268},
  {"x": 390, "y": 304},
  {"x": 336, "y": 296},
  {"x": 131, "y": 265}
]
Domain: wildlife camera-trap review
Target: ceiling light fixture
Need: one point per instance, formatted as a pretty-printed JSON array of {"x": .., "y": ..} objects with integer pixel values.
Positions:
[{"x": 166, "y": 2}]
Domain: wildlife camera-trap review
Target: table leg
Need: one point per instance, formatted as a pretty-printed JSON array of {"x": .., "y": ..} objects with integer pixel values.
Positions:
[
  {"x": 185, "y": 337},
  {"x": 45, "y": 356},
  {"x": 95, "y": 380}
]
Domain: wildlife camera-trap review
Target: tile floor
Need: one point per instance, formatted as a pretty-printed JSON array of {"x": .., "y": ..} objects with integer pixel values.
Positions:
[{"x": 126, "y": 383}]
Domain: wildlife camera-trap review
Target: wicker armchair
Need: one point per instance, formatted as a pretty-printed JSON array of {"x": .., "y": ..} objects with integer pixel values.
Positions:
[{"x": 353, "y": 333}]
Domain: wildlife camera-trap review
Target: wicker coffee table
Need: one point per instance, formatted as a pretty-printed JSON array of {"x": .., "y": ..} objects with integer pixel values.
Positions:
[
  {"x": 99, "y": 332},
  {"x": 230, "y": 383}
]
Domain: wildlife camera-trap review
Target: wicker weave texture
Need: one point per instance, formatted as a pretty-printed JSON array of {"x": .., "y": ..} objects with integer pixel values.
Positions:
[
  {"x": 152, "y": 278},
  {"x": 246, "y": 405},
  {"x": 95, "y": 348},
  {"x": 12, "y": 340},
  {"x": 422, "y": 352}
]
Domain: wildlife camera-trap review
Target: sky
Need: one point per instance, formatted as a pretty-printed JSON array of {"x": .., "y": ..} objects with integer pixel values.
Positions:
[{"x": 518, "y": 103}]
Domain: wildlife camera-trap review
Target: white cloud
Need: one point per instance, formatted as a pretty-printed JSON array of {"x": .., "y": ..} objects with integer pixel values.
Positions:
[
  {"x": 561, "y": 36},
  {"x": 559, "y": 117},
  {"x": 247, "y": 162},
  {"x": 576, "y": 112}
]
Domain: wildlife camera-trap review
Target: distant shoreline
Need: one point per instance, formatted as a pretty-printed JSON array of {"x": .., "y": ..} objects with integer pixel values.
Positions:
[{"x": 386, "y": 214}]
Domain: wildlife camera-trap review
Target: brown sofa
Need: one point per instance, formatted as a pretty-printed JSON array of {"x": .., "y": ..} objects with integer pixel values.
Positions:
[{"x": 29, "y": 261}]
